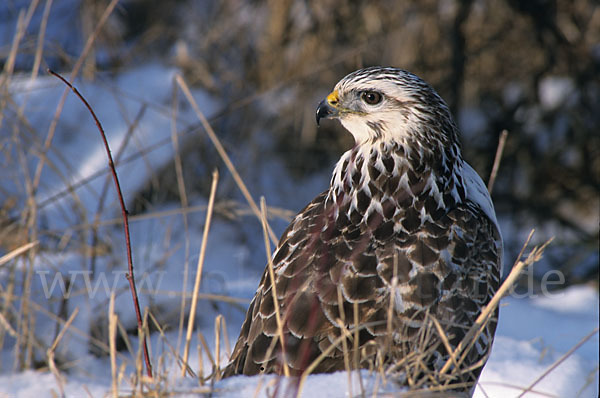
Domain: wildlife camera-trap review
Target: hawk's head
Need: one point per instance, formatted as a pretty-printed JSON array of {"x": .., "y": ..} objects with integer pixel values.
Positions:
[{"x": 389, "y": 104}]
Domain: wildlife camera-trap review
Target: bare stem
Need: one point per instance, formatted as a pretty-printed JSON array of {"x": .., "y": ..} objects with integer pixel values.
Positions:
[
  {"x": 17, "y": 252},
  {"x": 459, "y": 354},
  {"x": 559, "y": 361},
  {"x": 496, "y": 165},
  {"x": 60, "y": 380},
  {"x": 190, "y": 326},
  {"x": 265, "y": 225},
  {"x": 112, "y": 341},
  {"x": 222, "y": 153},
  {"x": 52, "y": 129},
  {"x": 125, "y": 215}
]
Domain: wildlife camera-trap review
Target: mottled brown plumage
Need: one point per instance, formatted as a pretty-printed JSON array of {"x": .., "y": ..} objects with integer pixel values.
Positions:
[{"x": 406, "y": 229}]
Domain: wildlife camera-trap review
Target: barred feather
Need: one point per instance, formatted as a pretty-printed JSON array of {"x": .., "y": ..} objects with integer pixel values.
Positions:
[{"x": 406, "y": 228}]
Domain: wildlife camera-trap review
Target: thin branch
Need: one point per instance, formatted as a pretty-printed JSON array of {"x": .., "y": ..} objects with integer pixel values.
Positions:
[
  {"x": 40, "y": 40},
  {"x": 227, "y": 208},
  {"x": 265, "y": 225},
  {"x": 516, "y": 387},
  {"x": 476, "y": 329},
  {"x": 559, "y": 361},
  {"x": 18, "y": 251},
  {"x": 174, "y": 352},
  {"x": 219, "y": 147},
  {"x": 22, "y": 23},
  {"x": 125, "y": 214},
  {"x": 496, "y": 165},
  {"x": 51, "y": 130},
  {"x": 102, "y": 198},
  {"x": 184, "y": 204},
  {"x": 50, "y": 353},
  {"x": 112, "y": 341},
  {"x": 218, "y": 322},
  {"x": 334, "y": 344},
  {"x": 190, "y": 326}
]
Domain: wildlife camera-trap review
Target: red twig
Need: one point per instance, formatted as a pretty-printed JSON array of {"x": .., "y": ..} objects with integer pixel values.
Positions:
[{"x": 125, "y": 214}]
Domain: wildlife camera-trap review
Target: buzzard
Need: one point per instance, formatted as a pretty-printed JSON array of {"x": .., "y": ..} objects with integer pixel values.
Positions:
[{"x": 390, "y": 266}]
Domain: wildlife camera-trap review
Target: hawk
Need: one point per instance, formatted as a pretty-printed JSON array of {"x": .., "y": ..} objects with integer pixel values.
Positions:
[{"x": 405, "y": 237}]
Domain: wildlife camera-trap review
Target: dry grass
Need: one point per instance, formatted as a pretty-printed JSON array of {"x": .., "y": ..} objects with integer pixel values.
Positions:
[
  {"x": 265, "y": 225},
  {"x": 190, "y": 328}
]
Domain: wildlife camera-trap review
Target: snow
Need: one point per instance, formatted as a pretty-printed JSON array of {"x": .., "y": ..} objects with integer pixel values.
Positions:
[
  {"x": 533, "y": 331},
  {"x": 532, "y": 334},
  {"x": 554, "y": 91},
  {"x": 570, "y": 301},
  {"x": 116, "y": 104}
]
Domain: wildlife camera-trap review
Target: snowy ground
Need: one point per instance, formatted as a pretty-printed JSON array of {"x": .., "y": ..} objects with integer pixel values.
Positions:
[{"x": 533, "y": 332}]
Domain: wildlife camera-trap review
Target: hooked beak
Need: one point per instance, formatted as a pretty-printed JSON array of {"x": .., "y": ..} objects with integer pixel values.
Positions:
[{"x": 327, "y": 109}]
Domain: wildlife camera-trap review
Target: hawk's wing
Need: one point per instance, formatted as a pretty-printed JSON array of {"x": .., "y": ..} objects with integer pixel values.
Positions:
[{"x": 333, "y": 265}]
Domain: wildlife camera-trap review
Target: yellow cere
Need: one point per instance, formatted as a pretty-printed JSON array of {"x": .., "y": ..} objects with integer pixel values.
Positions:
[{"x": 333, "y": 98}]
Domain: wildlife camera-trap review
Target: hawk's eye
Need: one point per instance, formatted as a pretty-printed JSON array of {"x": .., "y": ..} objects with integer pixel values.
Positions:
[{"x": 371, "y": 97}]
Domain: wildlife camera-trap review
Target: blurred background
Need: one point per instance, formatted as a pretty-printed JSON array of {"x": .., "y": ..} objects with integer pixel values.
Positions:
[{"x": 530, "y": 67}]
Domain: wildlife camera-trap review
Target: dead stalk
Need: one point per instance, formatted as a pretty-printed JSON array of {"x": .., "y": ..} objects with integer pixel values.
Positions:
[
  {"x": 50, "y": 353},
  {"x": 559, "y": 361},
  {"x": 235, "y": 301},
  {"x": 22, "y": 24},
  {"x": 469, "y": 340},
  {"x": 497, "y": 159},
  {"x": 184, "y": 204},
  {"x": 40, "y": 40},
  {"x": 146, "y": 327},
  {"x": 207, "y": 350},
  {"x": 51, "y": 130},
  {"x": 125, "y": 337},
  {"x": 485, "y": 394},
  {"x": 5, "y": 326},
  {"x": 130, "y": 275},
  {"x": 265, "y": 225},
  {"x": 218, "y": 322},
  {"x": 172, "y": 349},
  {"x": 190, "y": 326},
  {"x": 229, "y": 208},
  {"x": 25, "y": 320},
  {"x": 112, "y": 341},
  {"x": 200, "y": 363},
  {"x": 18, "y": 251},
  {"x": 390, "y": 309},
  {"x": 102, "y": 197},
  {"x": 139, "y": 367},
  {"x": 226, "y": 338},
  {"x": 342, "y": 324},
  {"x": 318, "y": 360},
  {"x": 74, "y": 330},
  {"x": 222, "y": 153},
  {"x": 356, "y": 352},
  {"x": 520, "y": 388}
]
